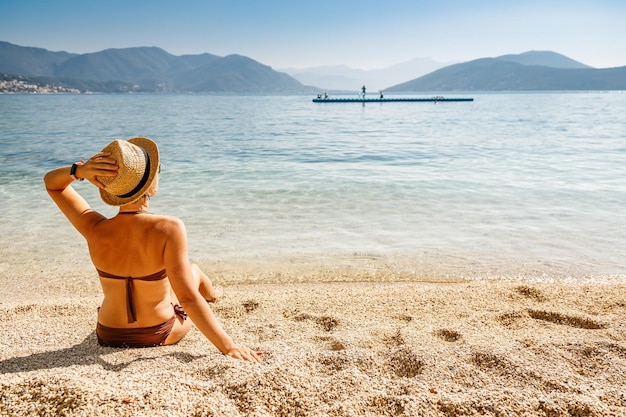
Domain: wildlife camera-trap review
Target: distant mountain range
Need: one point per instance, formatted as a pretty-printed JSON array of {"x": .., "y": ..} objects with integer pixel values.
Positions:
[
  {"x": 151, "y": 69},
  {"x": 530, "y": 71},
  {"x": 344, "y": 78},
  {"x": 146, "y": 69}
]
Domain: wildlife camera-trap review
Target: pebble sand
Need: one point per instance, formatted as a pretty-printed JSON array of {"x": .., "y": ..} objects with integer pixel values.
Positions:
[{"x": 335, "y": 342}]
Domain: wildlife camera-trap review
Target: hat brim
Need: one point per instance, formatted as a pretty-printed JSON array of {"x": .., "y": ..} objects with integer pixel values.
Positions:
[{"x": 153, "y": 154}]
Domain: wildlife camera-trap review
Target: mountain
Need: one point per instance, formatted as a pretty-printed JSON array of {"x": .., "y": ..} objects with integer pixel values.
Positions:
[
  {"x": 146, "y": 69},
  {"x": 544, "y": 59},
  {"x": 29, "y": 61},
  {"x": 141, "y": 65},
  {"x": 239, "y": 74},
  {"x": 534, "y": 70},
  {"x": 345, "y": 78}
]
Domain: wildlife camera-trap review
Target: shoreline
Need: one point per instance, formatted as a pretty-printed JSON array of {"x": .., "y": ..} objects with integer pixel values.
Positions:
[{"x": 355, "y": 344}]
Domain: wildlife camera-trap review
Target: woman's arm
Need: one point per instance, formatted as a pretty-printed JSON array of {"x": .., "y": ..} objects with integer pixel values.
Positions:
[
  {"x": 73, "y": 205},
  {"x": 181, "y": 279}
]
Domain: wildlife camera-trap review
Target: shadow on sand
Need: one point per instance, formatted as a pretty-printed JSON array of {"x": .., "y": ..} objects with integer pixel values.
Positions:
[{"x": 88, "y": 352}]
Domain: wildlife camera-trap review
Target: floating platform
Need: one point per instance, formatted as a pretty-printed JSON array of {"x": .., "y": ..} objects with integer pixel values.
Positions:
[{"x": 390, "y": 100}]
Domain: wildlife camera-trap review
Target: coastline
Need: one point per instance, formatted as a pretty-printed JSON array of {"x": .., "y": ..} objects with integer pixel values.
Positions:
[{"x": 338, "y": 340}]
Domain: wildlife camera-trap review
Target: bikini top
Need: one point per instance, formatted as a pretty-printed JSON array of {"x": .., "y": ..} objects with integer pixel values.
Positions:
[{"x": 130, "y": 305}]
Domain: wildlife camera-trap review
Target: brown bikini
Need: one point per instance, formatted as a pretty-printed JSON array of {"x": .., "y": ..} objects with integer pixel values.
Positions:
[{"x": 137, "y": 336}]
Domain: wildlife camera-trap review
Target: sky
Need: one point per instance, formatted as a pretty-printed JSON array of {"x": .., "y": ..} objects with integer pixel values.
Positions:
[{"x": 363, "y": 34}]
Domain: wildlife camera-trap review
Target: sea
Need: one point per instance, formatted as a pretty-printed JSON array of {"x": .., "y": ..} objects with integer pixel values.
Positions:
[{"x": 508, "y": 185}]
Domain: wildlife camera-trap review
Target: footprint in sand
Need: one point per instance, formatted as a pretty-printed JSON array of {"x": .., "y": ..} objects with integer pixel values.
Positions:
[
  {"x": 405, "y": 363},
  {"x": 235, "y": 311},
  {"x": 394, "y": 340},
  {"x": 512, "y": 318},
  {"x": 448, "y": 335},
  {"x": 563, "y": 319},
  {"x": 333, "y": 344},
  {"x": 325, "y": 322},
  {"x": 250, "y": 305},
  {"x": 497, "y": 364},
  {"x": 530, "y": 292},
  {"x": 334, "y": 362}
]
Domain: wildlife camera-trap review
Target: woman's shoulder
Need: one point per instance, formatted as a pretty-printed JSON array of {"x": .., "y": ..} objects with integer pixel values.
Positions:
[
  {"x": 171, "y": 229},
  {"x": 168, "y": 223}
]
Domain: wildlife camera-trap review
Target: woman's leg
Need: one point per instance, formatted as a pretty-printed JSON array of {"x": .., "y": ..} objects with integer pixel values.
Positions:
[{"x": 208, "y": 291}]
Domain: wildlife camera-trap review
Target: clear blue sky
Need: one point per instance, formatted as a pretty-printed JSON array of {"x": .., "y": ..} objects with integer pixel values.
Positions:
[{"x": 363, "y": 34}]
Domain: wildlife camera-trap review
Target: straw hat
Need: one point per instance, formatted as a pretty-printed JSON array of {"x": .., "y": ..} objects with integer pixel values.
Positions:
[{"x": 138, "y": 160}]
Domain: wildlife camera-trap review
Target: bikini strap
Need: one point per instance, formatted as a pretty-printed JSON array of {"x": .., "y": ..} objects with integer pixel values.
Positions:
[
  {"x": 162, "y": 274},
  {"x": 131, "y": 314}
]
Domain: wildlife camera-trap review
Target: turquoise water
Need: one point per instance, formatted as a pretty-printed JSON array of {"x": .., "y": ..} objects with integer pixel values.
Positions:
[{"x": 517, "y": 184}]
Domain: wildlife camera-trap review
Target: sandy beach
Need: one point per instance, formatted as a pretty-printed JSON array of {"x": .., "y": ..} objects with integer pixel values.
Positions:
[{"x": 336, "y": 342}]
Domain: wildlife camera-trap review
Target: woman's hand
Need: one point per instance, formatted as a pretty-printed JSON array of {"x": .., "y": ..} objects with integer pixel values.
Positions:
[
  {"x": 99, "y": 165},
  {"x": 245, "y": 354}
]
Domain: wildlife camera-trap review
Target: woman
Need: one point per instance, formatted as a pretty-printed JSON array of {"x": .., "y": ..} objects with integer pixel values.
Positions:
[{"x": 141, "y": 258}]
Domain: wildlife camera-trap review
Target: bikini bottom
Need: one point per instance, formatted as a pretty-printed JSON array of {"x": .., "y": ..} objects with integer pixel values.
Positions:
[{"x": 138, "y": 336}]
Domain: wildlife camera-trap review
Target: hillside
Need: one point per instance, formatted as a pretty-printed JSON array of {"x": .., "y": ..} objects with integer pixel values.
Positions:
[
  {"x": 146, "y": 69},
  {"x": 20, "y": 60},
  {"x": 544, "y": 59},
  {"x": 237, "y": 73},
  {"x": 531, "y": 71}
]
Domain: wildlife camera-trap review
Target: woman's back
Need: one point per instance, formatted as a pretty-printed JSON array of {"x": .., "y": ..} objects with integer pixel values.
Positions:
[{"x": 131, "y": 245}]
